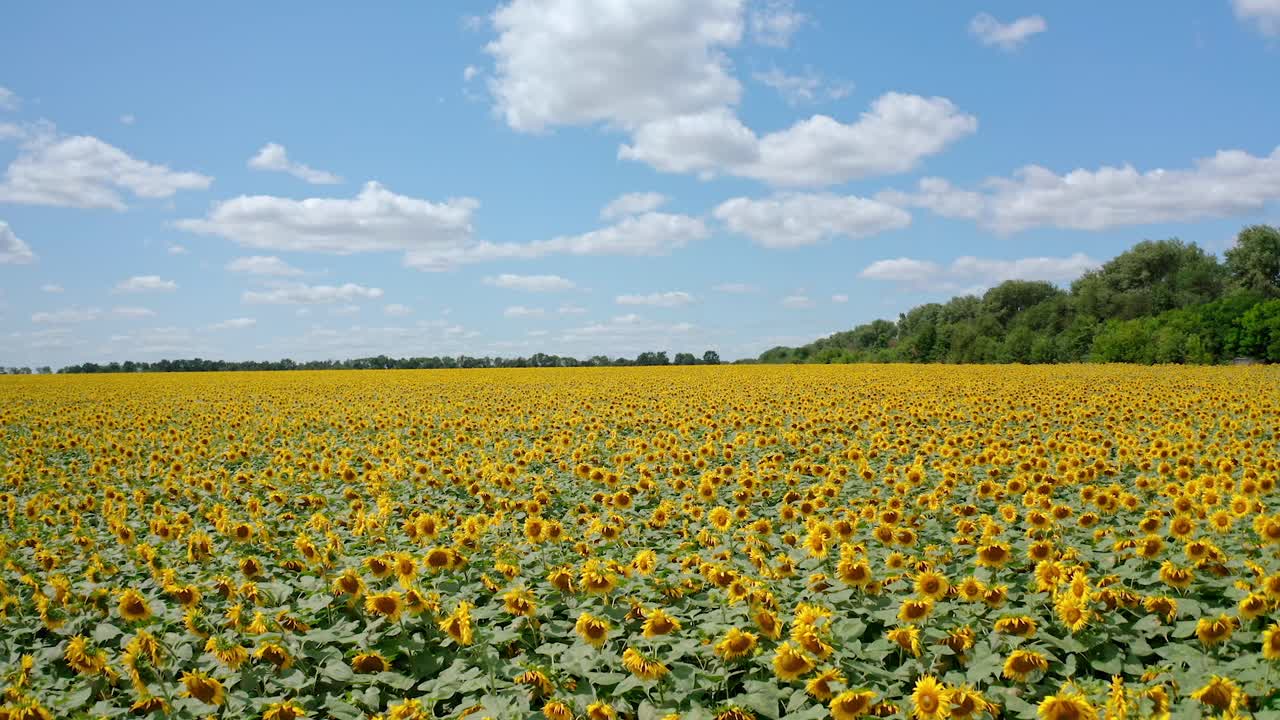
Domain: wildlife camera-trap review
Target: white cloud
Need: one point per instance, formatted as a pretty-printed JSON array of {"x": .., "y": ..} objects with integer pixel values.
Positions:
[
  {"x": 627, "y": 334},
  {"x": 145, "y": 283},
  {"x": 773, "y": 22},
  {"x": 1230, "y": 182},
  {"x": 9, "y": 100},
  {"x": 133, "y": 312},
  {"x": 903, "y": 269},
  {"x": 469, "y": 73},
  {"x": 632, "y": 204},
  {"x": 396, "y": 310},
  {"x": 673, "y": 298},
  {"x": 303, "y": 294},
  {"x": 374, "y": 220},
  {"x": 975, "y": 273},
  {"x": 520, "y": 311},
  {"x": 175, "y": 249},
  {"x": 345, "y": 310},
  {"x": 273, "y": 157},
  {"x": 263, "y": 265},
  {"x": 1264, "y": 13},
  {"x": 892, "y": 137},
  {"x": 798, "y": 301},
  {"x": 85, "y": 172},
  {"x": 651, "y": 234},
  {"x": 51, "y": 288},
  {"x": 12, "y": 249},
  {"x": 530, "y": 283},
  {"x": 839, "y": 299},
  {"x": 67, "y": 316},
  {"x": 1006, "y": 36},
  {"x": 786, "y": 221},
  {"x": 800, "y": 89},
  {"x": 127, "y": 119},
  {"x": 579, "y": 62},
  {"x": 736, "y": 288},
  {"x": 571, "y": 310},
  {"x": 234, "y": 324}
]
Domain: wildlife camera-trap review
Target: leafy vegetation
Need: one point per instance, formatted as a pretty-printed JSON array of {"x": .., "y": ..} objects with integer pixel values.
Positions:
[{"x": 1161, "y": 302}]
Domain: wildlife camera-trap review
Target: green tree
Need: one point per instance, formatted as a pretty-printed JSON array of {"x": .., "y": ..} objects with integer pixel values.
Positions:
[{"x": 1254, "y": 262}]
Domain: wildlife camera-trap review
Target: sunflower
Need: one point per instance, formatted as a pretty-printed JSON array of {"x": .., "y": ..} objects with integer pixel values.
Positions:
[
  {"x": 966, "y": 703},
  {"x": 994, "y": 555},
  {"x": 971, "y": 589},
  {"x": 349, "y": 583},
  {"x": 1215, "y": 631},
  {"x": 596, "y": 579},
  {"x": 287, "y": 710},
  {"x": 790, "y": 663},
  {"x": 133, "y": 606},
  {"x": 1252, "y": 605},
  {"x": 929, "y": 699},
  {"x": 556, "y": 710},
  {"x": 370, "y": 662},
  {"x": 519, "y": 602},
  {"x": 657, "y": 622},
  {"x": 229, "y": 653},
  {"x": 642, "y": 667},
  {"x": 536, "y": 679},
  {"x": 1271, "y": 642},
  {"x": 1021, "y": 663},
  {"x": 913, "y": 610},
  {"x": 561, "y": 579},
  {"x": 1222, "y": 694},
  {"x": 932, "y": 585},
  {"x": 458, "y": 624},
  {"x": 851, "y": 704},
  {"x": 819, "y": 686},
  {"x": 907, "y": 637},
  {"x": 388, "y": 605},
  {"x": 1067, "y": 704},
  {"x": 1020, "y": 625},
  {"x": 601, "y": 711},
  {"x": 146, "y": 705},
  {"x": 735, "y": 644},
  {"x": 1164, "y": 606},
  {"x": 84, "y": 659},
  {"x": 275, "y": 654},
  {"x": 1176, "y": 577},
  {"x": 593, "y": 630},
  {"x": 202, "y": 687}
]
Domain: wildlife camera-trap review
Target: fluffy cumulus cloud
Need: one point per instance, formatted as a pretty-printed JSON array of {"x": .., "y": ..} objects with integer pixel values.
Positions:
[
  {"x": 839, "y": 298},
  {"x": 735, "y": 288},
  {"x": 973, "y": 274},
  {"x": 645, "y": 60},
  {"x": 397, "y": 310},
  {"x": 1264, "y": 14},
  {"x": 12, "y": 249},
  {"x": 85, "y": 172},
  {"x": 239, "y": 323},
  {"x": 376, "y": 219},
  {"x": 530, "y": 283},
  {"x": 9, "y": 100},
  {"x": 797, "y": 301},
  {"x": 805, "y": 219},
  {"x": 894, "y": 136},
  {"x": 626, "y": 335},
  {"x": 132, "y": 312},
  {"x": 632, "y": 204},
  {"x": 651, "y": 233},
  {"x": 145, "y": 283},
  {"x": 1230, "y": 182},
  {"x": 273, "y": 157},
  {"x": 303, "y": 294},
  {"x": 263, "y": 265},
  {"x": 673, "y": 298},
  {"x": 1006, "y": 36},
  {"x": 660, "y": 73}
]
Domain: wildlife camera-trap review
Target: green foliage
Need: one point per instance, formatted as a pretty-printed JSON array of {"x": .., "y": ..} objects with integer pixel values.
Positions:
[{"x": 1162, "y": 301}]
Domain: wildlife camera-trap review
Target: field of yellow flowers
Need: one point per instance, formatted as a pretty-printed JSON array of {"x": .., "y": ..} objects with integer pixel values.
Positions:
[{"x": 696, "y": 543}]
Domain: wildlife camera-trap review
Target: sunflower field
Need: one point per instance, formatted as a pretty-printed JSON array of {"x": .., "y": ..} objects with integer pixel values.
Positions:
[{"x": 726, "y": 542}]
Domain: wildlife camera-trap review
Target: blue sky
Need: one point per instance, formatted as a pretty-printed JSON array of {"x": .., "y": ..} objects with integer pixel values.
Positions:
[{"x": 581, "y": 177}]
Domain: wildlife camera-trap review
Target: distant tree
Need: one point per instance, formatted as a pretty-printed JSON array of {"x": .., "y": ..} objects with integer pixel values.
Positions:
[
  {"x": 685, "y": 358},
  {"x": 711, "y": 357},
  {"x": 1254, "y": 262},
  {"x": 1148, "y": 279}
]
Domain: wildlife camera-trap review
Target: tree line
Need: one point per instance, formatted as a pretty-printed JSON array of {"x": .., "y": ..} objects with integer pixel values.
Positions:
[
  {"x": 382, "y": 362},
  {"x": 1162, "y": 301}
]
